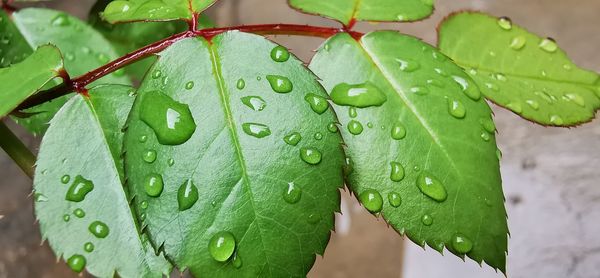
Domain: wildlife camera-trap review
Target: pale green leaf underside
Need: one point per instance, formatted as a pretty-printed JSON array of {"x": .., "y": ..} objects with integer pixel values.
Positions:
[
  {"x": 459, "y": 152},
  {"x": 153, "y": 10},
  {"x": 83, "y": 48},
  {"x": 240, "y": 178},
  {"x": 24, "y": 79},
  {"x": 345, "y": 11},
  {"x": 84, "y": 139},
  {"x": 540, "y": 83}
]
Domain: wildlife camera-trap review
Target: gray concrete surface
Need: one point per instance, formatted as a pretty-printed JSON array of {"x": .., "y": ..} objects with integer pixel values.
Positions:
[{"x": 550, "y": 175}]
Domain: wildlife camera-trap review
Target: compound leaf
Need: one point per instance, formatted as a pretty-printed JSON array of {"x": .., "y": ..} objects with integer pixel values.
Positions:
[
  {"x": 521, "y": 71},
  {"x": 81, "y": 204},
  {"x": 221, "y": 144},
  {"x": 420, "y": 140},
  {"x": 154, "y": 10},
  {"x": 83, "y": 48},
  {"x": 346, "y": 11},
  {"x": 24, "y": 79}
]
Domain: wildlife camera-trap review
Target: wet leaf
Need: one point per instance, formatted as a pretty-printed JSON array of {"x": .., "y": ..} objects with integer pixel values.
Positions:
[{"x": 153, "y": 10}]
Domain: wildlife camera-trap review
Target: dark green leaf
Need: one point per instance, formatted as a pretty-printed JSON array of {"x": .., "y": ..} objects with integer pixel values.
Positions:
[
  {"x": 83, "y": 48},
  {"x": 81, "y": 204},
  {"x": 521, "y": 71},
  {"x": 235, "y": 176},
  {"x": 22, "y": 80},
  {"x": 345, "y": 11},
  {"x": 426, "y": 157},
  {"x": 154, "y": 10}
]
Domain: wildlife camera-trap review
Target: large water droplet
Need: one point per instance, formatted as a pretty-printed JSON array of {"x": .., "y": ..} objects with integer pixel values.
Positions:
[
  {"x": 427, "y": 220},
  {"x": 431, "y": 187},
  {"x": 505, "y": 23},
  {"x": 394, "y": 199},
  {"x": 358, "y": 95},
  {"x": 292, "y": 193},
  {"x": 255, "y": 102},
  {"x": 280, "y": 84},
  {"x": 317, "y": 103},
  {"x": 171, "y": 121},
  {"x": 149, "y": 156},
  {"x": 310, "y": 155},
  {"x": 461, "y": 244},
  {"x": 372, "y": 200},
  {"x": 99, "y": 229},
  {"x": 154, "y": 185},
  {"x": 408, "y": 65},
  {"x": 456, "y": 109},
  {"x": 79, "y": 189},
  {"x": 577, "y": 99},
  {"x": 293, "y": 138},
  {"x": 355, "y": 127},
  {"x": 398, "y": 131},
  {"x": 256, "y": 130},
  {"x": 222, "y": 246},
  {"x": 397, "y": 171},
  {"x": 471, "y": 91},
  {"x": 76, "y": 263},
  {"x": 518, "y": 42},
  {"x": 280, "y": 54},
  {"x": 187, "y": 195},
  {"x": 548, "y": 45}
]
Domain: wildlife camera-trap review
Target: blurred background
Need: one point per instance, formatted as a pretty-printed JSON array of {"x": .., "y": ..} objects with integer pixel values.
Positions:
[{"x": 551, "y": 177}]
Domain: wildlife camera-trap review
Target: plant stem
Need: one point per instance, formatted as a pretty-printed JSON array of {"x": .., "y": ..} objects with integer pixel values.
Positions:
[
  {"x": 11, "y": 144},
  {"x": 79, "y": 83}
]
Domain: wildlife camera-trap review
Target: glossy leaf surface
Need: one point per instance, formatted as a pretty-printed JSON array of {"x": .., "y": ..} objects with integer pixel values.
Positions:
[
  {"x": 83, "y": 49},
  {"x": 345, "y": 11},
  {"x": 81, "y": 204},
  {"x": 153, "y": 10},
  {"x": 425, "y": 158},
  {"x": 209, "y": 159},
  {"x": 521, "y": 71},
  {"x": 24, "y": 79}
]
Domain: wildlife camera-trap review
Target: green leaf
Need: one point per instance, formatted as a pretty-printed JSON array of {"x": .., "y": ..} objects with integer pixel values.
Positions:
[
  {"x": 83, "y": 48},
  {"x": 154, "y": 10},
  {"x": 521, "y": 71},
  {"x": 81, "y": 204},
  {"x": 425, "y": 156},
  {"x": 346, "y": 11},
  {"x": 22, "y": 80},
  {"x": 206, "y": 149}
]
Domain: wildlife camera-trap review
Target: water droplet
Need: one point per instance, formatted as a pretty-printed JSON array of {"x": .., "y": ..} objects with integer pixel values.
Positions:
[
  {"x": 318, "y": 136},
  {"x": 256, "y": 130},
  {"x": 492, "y": 86},
  {"x": 88, "y": 247},
  {"x": 156, "y": 74},
  {"x": 76, "y": 263},
  {"x": 488, "y": 124},
  {"x": 61, "y": 20},
  {"x": 461, "y": 244},
  {"x": 332, "y": 127},
  {"x": 499, "y": 77},
  {"x": 485, "y": 136},
  {"x": 577, "y": 99},
  {"x": 280, "y": 84},
  {"x": 241, "y": 84},
  {"x": 557, "y": 120},
  {"x": 355, "y": 127},
  {"x": 427, "y": 220},
  {"x": 102, "y": 58},
  {"x": 456, "y": 109},
  {"x": 189, "y": 85},
  {"x": 473, "y": 71},
  {"x": 435, "y": 82},
  {"x": 280, "y": 54},
  {"x": 515, "y": 107},
  {"x": 292, "y": 193},
  {"x": 431, "y": 187},
  {"x": 255, "y": 102},
  {"x": 419, "y": 90},
  {"x": 144, "y": 204},
  {"x": 548, "y": 45},
  {"x": 545, "y": 96},
  {"x": 372, "y": 200},
  {"x": 79, "y": 189},
  {"x": 533, "y": 104},
  {"x": 311, "y": 155},
  {"x": 119, "y": 72},
  {"x": 187, "y": 195},
  {"x": 80, "y": 213},
  {"x": 70, "y": 56},
  {"x": 171, "y": 121},
  {"x": 222, "y": 246},
  {"x": 143, "y": 138},
  {"x": 317, "y": 103},
  {"x": 518, "y": 42},
  {"x": 314, "y": 218},
  {"x": 154, "y": 185},
  {"x": 408, "y": 65},
  {"x": 471, "y": 91},
  {"x": 149, "y": 156},
  {"x": 40, "y": 198},
  {"x": 348, "y": 166},
  {"x": 66, "y": 218},
  {"x": 492, "y": 53},
  {"x": 358, "y": 95},
  {"x": 498, "y": 154},
  {"x": 505, "y": 23},
  {"x": 293, "y": 138},
  {"x": 398, "y": 131},
  {"x": 352, "y": 112},
  {"x": 171, "y": 162},
  {"x": 237, "y": 261},
  {"x": 99, "y": 229},
  {"x": 395, "y": 199},
  {"x": 397, "y": 171}
]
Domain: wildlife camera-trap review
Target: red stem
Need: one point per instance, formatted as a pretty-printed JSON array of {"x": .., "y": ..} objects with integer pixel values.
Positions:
[{"x": 79, "y": 83}]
